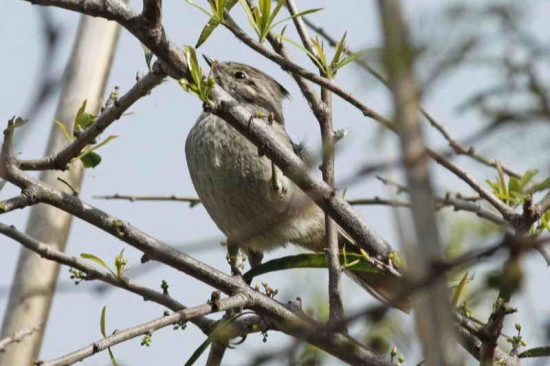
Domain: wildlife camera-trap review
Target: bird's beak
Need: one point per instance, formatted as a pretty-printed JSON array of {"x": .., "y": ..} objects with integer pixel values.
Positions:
[{"x": 209, "y": 60}]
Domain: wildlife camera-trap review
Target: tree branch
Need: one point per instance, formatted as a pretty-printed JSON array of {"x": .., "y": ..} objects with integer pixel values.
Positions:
[
  {"x": 17, "y": 337},
  {"x": 152, "y": 13},
  {"x": 60, "y": 160},
  {"x": 217, "y": 351},
  {"x": 337, "y": 344},
  {"x": 92, "y": 273},
  {"x": 454, "y": 144},
  {"x": 193, "y": 201},
  {"x": 14, "y": 203},
  {"x": 238, "y": 300}
]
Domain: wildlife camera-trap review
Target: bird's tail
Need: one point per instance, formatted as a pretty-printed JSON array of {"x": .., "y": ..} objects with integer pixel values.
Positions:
[{"x": 386, "y": 287}]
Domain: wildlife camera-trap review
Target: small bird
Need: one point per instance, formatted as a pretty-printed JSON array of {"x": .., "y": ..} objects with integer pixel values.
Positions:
[{"x": 250, "y": 200}]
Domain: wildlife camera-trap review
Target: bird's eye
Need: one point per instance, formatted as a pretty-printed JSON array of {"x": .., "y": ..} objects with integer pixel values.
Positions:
[{"x": 239, "y": 75}]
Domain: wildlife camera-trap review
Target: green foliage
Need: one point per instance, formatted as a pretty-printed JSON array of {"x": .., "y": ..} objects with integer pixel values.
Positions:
[
  {"x": 200, "y": 85},
  {"x": 542, "y": 224},
  {"x": 147, "y": 339},
  {"x": 460, "y": 288},
  {"x": 98, "y": 260},
  {"x": 262, "y": 19},
  {"x": 515, "y": 191},
  {"x": 536, "y": 352},
  {"x": 218, "y": 333},
  {"x": 104, "y": 333},
  {"x": 319, "y": 56},
  {"x": 164, "y": 286},
  {"x": 120, "y": 263},
  {"x": 77, "y": 276},
  {"x": 218, "y": 7},
  {"x": 89, "y": 158},
  {"x": 351, "y": 261},
  {"x": 82, "y": 121}
]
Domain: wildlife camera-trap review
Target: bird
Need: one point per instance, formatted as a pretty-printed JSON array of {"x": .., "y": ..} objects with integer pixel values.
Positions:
[{"x": 256, "y": 207}]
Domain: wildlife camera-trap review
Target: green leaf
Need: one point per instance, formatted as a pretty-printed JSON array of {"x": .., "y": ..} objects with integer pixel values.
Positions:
[
  {"x": 545, "y": 184},
  {"x": 190, "y": 2},
  {"x": 97, "y": 260},
  {"x": 95, "y": 147},
  {"x": 536, "y": 352},
  {"x": 352, "y": 58},
  {"x": 459, "y": 288},
  {"x": 104, "y": 333},
  {"x": 102, "y": 322},
  {"x": 302, "y": 13},
  {"x": 64, "y": 130},
  {"x": 527, "y": 177},
  {"x": 91, "y": 159},
  {"x": 311, "y": 55},
  {"x": 514, "y": 185},
  {"x": 120, "y": 264},
  {"x": 249, "y": 15},
  {"x": 198, "y": 352},
  {"x": 83, "y": 120},
  {"x": 357, "y": 262},
  {"x": 204, "y": 345},
  {"x": 113, "y": 360}
]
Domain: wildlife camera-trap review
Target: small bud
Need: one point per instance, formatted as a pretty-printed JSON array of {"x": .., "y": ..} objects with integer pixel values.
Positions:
[
  {"x": 393, "y": 351},
  {"x": 401, "y": 358},
  {"x": 518, "y": 327}
]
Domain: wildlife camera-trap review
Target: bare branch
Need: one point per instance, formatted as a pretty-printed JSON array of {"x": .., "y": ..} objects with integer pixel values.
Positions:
[
  {"x": 14, "y": 203},
  {"x": 93, "y": 273},
  {"x": 193, "y": 201},
  {"x": 238, "y": 300},
  {"x": 104, "y": 120},
  {"x": 17, "y": 337}
]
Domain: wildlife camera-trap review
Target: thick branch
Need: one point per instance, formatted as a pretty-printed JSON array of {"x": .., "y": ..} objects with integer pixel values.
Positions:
[{"x": 152, "y": 13}]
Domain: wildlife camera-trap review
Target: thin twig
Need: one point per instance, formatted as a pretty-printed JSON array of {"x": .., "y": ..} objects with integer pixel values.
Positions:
[
  {"x": 92, "y": 273},
  {"x": 108, "y": 116},
  {"x": 17, "y": 337},
  {"x": 454, "y": 144},
  {"x": 193, "y": 201},
  {"x": 236, "y": 301}
]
